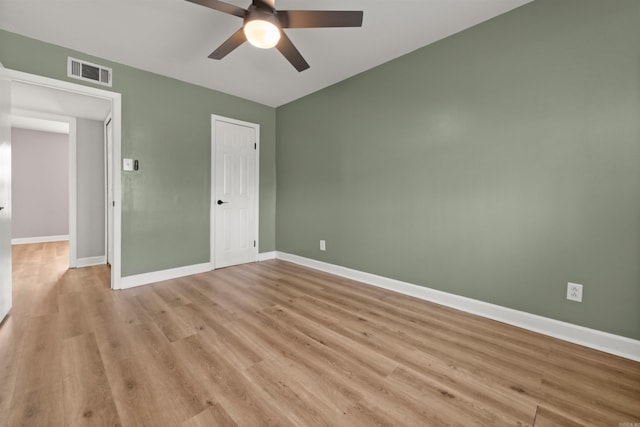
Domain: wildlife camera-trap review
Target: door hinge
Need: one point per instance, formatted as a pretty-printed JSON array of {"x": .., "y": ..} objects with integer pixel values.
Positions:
[
  {"x": 114, "y": 203},
  {"x": 254, "y": 243},
  {"x": 255, "y": 145}
]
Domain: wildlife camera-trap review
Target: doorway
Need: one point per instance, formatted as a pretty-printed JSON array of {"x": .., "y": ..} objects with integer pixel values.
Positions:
[
  {"x": 39, "y": 180},
  {"x": 86, "y": 96},
  {"x": 234, "y": 191},
  {"x": 40, "y": 205}
]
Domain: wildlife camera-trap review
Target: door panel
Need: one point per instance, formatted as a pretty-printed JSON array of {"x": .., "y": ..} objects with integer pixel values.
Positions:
[
  {"x": 235, "y": 188},
  {"x": 5, "y": 195}
]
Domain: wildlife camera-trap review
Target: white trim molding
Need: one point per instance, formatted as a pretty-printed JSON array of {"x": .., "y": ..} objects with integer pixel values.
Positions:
[
  {"x": 265, "y": 256},
  {"x": 89, "y": 261},
  {"x": 174, "y": 273},
  {"x": 158, "y": 276},
  {"x": 592, "y": 338},
  {"x": 40, "y": 239},
  {"x": 73, "y": 193}
]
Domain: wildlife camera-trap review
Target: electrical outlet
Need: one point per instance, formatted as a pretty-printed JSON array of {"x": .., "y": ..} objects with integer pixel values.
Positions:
[
  {"x": 574, "y": 292},
  {"x": 323, "y": 245}
]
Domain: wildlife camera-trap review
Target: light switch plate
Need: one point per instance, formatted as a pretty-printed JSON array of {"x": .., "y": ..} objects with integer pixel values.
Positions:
[{"x": 127, "y": 164}]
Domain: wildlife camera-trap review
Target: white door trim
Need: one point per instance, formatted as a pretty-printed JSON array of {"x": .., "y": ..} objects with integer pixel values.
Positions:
[
  {"x": 5, "y": 197},
  {"x": 116, "y": 111},
  {"x": 256, "y": 127},
  {"x": 107, "y": 211},
  {"x": 73, "y": 195}
]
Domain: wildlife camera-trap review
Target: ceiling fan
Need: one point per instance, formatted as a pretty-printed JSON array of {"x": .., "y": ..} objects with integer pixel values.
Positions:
[{"x": 263, "y": 26}]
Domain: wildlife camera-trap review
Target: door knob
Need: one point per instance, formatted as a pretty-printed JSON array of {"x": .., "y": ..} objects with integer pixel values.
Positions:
[
  {"x": 221, "y": 202},
  {"x": 1, "y": 207}
]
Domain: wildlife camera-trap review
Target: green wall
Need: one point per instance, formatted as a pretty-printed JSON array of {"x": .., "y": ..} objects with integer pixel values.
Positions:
[
  {"x": 499, "y": 164},
  {"x": 166, "y": 125}
]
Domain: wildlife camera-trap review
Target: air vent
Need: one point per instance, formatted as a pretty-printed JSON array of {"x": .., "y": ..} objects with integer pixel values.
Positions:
[{"x": 89, "y": 72}]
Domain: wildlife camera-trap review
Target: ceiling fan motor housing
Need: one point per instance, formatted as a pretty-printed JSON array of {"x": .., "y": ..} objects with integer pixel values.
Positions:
[
  {"x": 269, "y": 3},
  {"x": 263, "y": 12}
]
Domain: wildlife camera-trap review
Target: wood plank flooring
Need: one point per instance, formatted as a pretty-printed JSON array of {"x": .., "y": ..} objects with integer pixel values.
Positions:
[{"x": 273, "y": 343}]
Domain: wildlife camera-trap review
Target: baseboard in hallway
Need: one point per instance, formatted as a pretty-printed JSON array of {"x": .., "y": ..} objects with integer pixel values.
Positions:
[{"x": 39, "y": 239}]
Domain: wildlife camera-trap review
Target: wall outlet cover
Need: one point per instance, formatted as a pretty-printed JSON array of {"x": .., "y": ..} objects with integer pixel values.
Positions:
[
  {"x": 323, "y": 245},
  {"x": 574, "y": 292}
]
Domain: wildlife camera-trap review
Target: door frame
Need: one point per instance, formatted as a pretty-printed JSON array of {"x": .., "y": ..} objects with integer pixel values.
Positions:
[
  {"x": 116, "y": 113},
  {"x": 256, "y": 127},
  {"x": 107, "y": 172},
  {"x": 6, "y": 284}
]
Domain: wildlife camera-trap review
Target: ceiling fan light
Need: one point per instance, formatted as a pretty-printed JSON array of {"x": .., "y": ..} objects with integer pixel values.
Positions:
[{"x": 262, "y": 34}]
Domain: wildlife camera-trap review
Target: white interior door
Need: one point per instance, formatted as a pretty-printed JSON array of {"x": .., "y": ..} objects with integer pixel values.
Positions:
[
  {"x": 5, "y": 194},
  {"x": 109, "y": 172},
  {"x": 234, "y": 195}
]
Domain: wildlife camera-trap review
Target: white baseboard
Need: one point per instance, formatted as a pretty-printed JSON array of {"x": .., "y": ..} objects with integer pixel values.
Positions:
[
  {"x": 40, "y": 239},
  {"x": 592, "y": 338},
  {"x": 159, "y": 276},
  {"x": 264, "y": 256},
  {"x": 89, "y": 261}
]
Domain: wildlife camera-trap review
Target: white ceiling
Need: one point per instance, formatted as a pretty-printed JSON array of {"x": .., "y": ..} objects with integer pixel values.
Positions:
[{"x": 174, "y": 37}]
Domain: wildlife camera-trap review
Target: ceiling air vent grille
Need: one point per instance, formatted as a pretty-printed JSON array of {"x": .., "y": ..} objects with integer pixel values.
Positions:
[{"x": 89, "y": 72}]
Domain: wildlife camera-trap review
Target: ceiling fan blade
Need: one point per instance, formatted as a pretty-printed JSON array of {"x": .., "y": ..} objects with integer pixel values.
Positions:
[
  {"x": 319, "y": 18},
  {"x": 231, "y": 43},
  {"x": 222, "y": 7},
  {"x": 286, "y": 47}
]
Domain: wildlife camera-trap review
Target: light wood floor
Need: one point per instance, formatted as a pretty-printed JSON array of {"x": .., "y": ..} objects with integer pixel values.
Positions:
[{"x": 272, "y": 343}]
